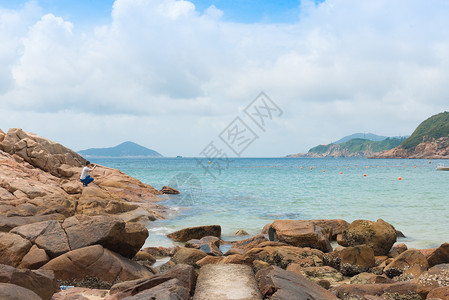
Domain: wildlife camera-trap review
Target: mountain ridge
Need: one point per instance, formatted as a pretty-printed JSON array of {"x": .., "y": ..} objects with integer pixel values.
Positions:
[{"x": 125, "y": 149}]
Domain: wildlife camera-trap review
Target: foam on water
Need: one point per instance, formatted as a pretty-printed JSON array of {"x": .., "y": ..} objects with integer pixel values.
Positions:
[{"x": 252, "y": 192}]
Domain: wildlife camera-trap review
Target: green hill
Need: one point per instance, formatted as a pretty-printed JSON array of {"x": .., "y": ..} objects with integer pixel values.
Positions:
[
  {"x": 126, "y": 149},
  {"x": 433, "y": 128},
  {"x": 365, "y": 136},
  {"x": 357, "y": 146}
]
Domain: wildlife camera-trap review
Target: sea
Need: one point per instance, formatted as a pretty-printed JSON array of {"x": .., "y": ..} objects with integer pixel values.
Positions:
[{"x": 247, "y": 193}]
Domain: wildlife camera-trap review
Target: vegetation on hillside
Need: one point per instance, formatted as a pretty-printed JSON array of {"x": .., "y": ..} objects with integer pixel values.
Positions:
[
  {"x": 360, "y": 145},
  {"x": 433, "y": 128}
]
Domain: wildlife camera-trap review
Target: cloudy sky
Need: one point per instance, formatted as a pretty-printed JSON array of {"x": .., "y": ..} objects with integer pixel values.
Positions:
[{"x": 172, "y": 75}]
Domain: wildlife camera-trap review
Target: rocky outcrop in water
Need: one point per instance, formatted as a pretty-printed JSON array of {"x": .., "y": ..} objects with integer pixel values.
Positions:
[{"x": 428, "y": 149}]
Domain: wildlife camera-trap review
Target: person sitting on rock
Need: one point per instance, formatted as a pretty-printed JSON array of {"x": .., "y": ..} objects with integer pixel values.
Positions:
[{"x": 85, "y": 178}]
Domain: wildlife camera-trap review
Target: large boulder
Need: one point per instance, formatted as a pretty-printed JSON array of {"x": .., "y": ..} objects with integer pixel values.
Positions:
[
  {"x": 441, "y": 293},
  {"x": 209, "y": 244},
  {"x": 13, "y": 248},
  {"x": 42, "y": 283},
  {"x": 400, "y": 290},
  {"x": 351, "y": 260},
  {"x": 40, "y": 152},
  {"x": 405, "y": 261},
  {"x": 284, "y": 255},
  {"x": 14, "y": 292},
  {"x": 96, "y": 262},
  {"x": 439, "y": 256},
  {"x": 240, "y": 247},
  {"x": 300, "y": 233},
  {"x": 318, "y": 274},
  {"x": 198, "y": 232},
  {"x": 435, "y": 277},
  {"x": 278, "y": 284},
  {"x": 378, "y": 235},
  {"x": 34, "y": 259},
  {"x": 8, "y": 223},
  {"x": 188, "y": 256},
  {"x": 184, "y": 274},
  {"x": 80, "y": 231}
]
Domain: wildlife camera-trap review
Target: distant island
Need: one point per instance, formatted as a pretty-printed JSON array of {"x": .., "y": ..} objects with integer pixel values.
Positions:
[
  {"x": 430, "y": 140},
  {"x": 354, "y": 145},
  {"x": 124, "y": 150}
]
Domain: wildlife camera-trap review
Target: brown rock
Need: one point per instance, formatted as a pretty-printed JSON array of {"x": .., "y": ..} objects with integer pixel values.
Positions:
[
  {"x": 14, "y": 292},
  {"x": 278, "y": 284},
  {"x": 316, "y": 274},
  {"x": 401, "y": 290},
  {"x": 209, "y": 260},
  {"x": 169, "y": 190},
  {"x": 185, "y": 274},
  {"x": 285, "y": 255},
  {"x": 380, "y": 259},
  {"x": 199, "y": 232},
  {"x": 80, "y": 293},
  {"x": 351, "y": 260},
  {"x": 145, "y": 256},
  {"x": 2, "y": 137},
  {"x": 369, "y": 278},
  {"x": 378, "y": 235},
  {"x": 161, "y": 252},
  {"x": 171, "y": 289},
  {"x": 8, "y": 223},
  {"x": 209, "y": 244},
  {"x": 435, "y": 277},
  {"x": 439, "y": 293},
  {"x": 300, "y": 233},
  {"x": 397, "y": 249},
  {"x": 241, "y": 232},
  {"x": 96, "y": 262},
  {"x": 404, "y": 261},
  {"x": 259, "y": 265},
  {"x": 240, "y": 247},
  {"x": 72, "y": 188},
  {"x": 188, "y": 256},
  {"x": 34, "y": 259},
  {"x": 439, "y": 256},
  {"x": 13, "y": 248},
  {"x": 40, "y": 282}
]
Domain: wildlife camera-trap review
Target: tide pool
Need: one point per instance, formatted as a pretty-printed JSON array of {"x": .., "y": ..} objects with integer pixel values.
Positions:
[{"x": 251, "y": 192}]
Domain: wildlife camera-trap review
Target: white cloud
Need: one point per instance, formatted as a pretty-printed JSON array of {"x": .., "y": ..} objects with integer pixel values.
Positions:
[{"x": 163, "y": 69}]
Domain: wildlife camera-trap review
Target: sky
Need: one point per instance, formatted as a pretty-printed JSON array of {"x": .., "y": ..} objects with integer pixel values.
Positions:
[{"x": 176, "y": 76}]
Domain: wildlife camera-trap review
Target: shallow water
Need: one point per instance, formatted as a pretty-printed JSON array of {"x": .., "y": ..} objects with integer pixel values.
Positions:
[{"x": 251, "y": 192}]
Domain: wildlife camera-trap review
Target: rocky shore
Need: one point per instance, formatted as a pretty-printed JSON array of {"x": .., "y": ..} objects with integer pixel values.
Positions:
[{"x": 54, "y": 233}]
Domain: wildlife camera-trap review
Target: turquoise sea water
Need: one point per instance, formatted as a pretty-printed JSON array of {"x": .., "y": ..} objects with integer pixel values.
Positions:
[{"x": 251, "y": 192}]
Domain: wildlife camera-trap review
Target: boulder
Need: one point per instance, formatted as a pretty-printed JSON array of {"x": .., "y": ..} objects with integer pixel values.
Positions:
[
  {"x": 184, "y": 274},
  {"x": 209, "y": 244},
  {"x": 13, "y": 248},
  {"x": 161, "y": 252},
  {"x": 169, "y": 190},
  {"x": 34, "y": 259},
  {"x": 439, "y": 293},
  {"x": 207, "y": 260},
  {"x": 351, "y": 260},
  {"x": 400, "y": 290},
  {"x": 171, "y": 289},
  {"x": 40, "y": 152},
  {"x": 241, "y": 232},
  {"x": 72, "y": 188},
  {"x": 144, "y": 256},
  {"x": 378, "y": 235},
  {"x": 8, "y": 223},
  {"x": 435, "y": 277},
  {"x": 370, "y": 278},
  {"x": 96, "y": 262},
  {"x": 285, "y": 255},
  {"x": 404, "y": 261},
  {"x": 244, "y": 245},
  {"x": 40, "y": 282},
  {"x": 278, "y": 284},
  {"x": 439, "y": 256},
  {"x": 316, "y": 274},
  {"x": 47, "y": 235},
  {"x": 397, "y": 249},
  {"x": 199, "y": 232},
  {"x": 188, "y": 256},
  {"x": 80, "y": 293},
  {"x": 300, "y": 233},
  {"x": 14, "y": 292}
]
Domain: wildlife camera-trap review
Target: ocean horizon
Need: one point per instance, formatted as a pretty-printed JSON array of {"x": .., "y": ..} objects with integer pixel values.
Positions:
[{"x": 247, "y": 193}]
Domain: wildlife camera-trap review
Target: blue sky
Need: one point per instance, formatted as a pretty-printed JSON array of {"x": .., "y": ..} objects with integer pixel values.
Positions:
[
  {"x": 172, "y": 75},
  {"x": 247, "y": 11}
]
